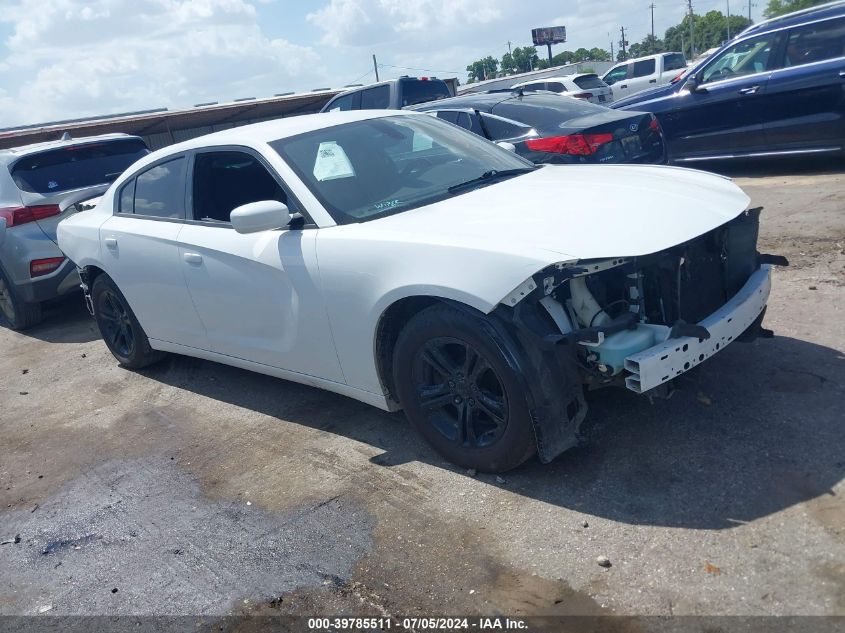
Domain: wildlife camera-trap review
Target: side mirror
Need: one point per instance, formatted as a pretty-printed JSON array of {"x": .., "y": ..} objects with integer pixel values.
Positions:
[
  {"x": 693, "y": 84},
  {"x": 264, "y": 215},
  {"x": 2, "y": 231},
  {"x": 508, "y": 146}
]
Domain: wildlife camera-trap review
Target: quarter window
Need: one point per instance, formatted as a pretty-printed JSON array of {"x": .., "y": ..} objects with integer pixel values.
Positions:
[
  {"x": 160, "y": 191},
  {"x": 226, "y": 180},
  {"x": 816, "y": 43}
]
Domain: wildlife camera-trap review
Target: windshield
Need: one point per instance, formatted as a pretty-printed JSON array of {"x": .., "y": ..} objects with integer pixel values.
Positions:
[
  {"x": 76, "y": 166},
  {"x": 368, "y": 169}
]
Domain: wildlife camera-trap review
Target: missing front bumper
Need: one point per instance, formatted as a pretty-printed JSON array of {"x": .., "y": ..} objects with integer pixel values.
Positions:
[{"x": 659, "y": 364}]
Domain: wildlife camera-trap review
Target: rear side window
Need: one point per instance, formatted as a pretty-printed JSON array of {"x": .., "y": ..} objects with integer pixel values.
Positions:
[
  {"x": 461, "y": 119},
  {"x": 674, "y": 61},
  {"x": 377, "y": 98},
  {"x": 538, "y": 85},
  {"x": 644, "y": 68},
  {"x": 499, "y": 129},
  {"x": 224, "y": 181},
  {"x": 816, "y": 43},
  {"x": 76, "y": 166},
  {"x": 419, "y": 91},
  {"x": 589, "y": 81},
  {"x": 617, "y": 74},
  {"x": 160, "y": 191},
  {"x": 555, "y": 86}
]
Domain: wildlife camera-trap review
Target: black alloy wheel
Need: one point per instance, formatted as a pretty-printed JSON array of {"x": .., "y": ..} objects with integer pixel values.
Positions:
[{"x": 460, "y": 393}]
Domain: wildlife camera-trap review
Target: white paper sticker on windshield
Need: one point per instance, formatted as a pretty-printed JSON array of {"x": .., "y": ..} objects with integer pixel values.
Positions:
[{"x": 332, "y": 162}]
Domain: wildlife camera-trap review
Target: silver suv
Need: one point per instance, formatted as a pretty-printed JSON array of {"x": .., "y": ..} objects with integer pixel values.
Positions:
[{"x": 40, "y": 185}]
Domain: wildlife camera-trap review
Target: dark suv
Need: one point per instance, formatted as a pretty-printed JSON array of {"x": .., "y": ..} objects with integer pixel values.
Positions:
[
  {"x": 776, "y": 89},
  {"x": 394, "y": 94}
]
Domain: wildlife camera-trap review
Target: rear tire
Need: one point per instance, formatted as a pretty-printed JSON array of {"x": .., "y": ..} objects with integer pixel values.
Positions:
[
  {"x": 18, "y": 315},
  {"x": 119, "y": 328},
  {"x": 458, "y": 390}
]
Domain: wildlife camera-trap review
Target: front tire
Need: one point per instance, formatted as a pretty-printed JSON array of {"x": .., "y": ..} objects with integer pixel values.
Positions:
[
  {"x": 119, "y": 328},
  {"x": 17, "y": 314},
  {"x": 457, "y": 388}
]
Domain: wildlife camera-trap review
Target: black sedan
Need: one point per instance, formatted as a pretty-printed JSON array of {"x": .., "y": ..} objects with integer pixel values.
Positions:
[{"x": 550, "y": 128}]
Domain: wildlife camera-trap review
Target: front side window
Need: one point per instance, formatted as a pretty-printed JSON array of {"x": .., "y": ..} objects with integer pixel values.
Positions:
[
  {"x": 816, "y": 43},
  {"x": 160, "y": 191},
  {"x": 342, "y": 104},
  {"x": 377, "y": 98},
  {"x": 617, "y": 74},
  {"x": 225, "y": 180},
  {"x": 645, "y": 67},
  {"x": 368, "y": 169},
  {"x": 744, "y": 58}
]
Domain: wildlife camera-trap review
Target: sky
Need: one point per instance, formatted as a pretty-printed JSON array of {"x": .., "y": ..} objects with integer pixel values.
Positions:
[{"x": 62, "y": 59}]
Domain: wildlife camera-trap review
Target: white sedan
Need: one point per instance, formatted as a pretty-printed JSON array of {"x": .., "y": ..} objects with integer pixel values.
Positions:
[{"x": 404, "y": 262}]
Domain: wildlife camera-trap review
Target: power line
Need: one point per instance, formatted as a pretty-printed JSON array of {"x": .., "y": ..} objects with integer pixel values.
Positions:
[{"x": 425, "y": 70}]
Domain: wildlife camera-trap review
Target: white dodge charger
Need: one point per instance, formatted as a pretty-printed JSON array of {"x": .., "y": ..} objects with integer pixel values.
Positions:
[{"x": 407, "y": 263}]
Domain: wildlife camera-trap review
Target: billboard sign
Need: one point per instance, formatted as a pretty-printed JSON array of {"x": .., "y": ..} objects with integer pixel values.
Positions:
[{"x": 548, "y": 35}]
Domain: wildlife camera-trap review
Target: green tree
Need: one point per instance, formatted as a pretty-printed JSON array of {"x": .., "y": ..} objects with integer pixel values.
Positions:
[
  {"x": 648, "y": 46},
  {"x": 780, "y": 7},
  {"x": 521, "y": 60},
  {"x": 599, "y": 55},
  {"x": 711, "y": 30},
  {"x": 482, "y": 69}
]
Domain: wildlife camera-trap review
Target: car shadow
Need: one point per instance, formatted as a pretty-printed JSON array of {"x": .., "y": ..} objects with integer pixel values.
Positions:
[
  {"x": 772, "y": 167},
  {"x": 66, "y": 320},
  {"x": 752, "y": 432}
]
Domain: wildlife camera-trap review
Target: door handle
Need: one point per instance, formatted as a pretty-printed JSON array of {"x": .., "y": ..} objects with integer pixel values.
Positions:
[
  {"x": 192, "y": 258},
  {"x": 623, "y": 86},
  {"x": 652, "y": 81},
  {"x": 842, "y": 74},
  {"x": 110, "y": 242},
  {"x": 749, "y": 91}
]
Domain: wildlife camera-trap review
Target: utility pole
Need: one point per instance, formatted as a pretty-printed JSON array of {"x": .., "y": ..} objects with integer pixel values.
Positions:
[
  {"x": 651, "y": 6},
  {"x": 729, "y": 20},
  {"x": 509, "y": 46},
  {"x": 375, "y": 66},
  {"x": 749, "y": 10},
  {"x": 624, "y": 45},
  {"x": 612, "y": 56},
  {"x": 691, "y": 30}
]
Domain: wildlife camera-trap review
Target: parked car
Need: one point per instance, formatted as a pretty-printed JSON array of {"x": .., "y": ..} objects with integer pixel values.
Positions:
[
  {"x": 40, "y": 186},
  {"x": 586, "y": 86},
  {"x": 390, "y": 95},
  {"x": 400, "y": 261},
  {"x": 777, "y": 89},
  {"x": 546, "y": 128},
  {"x": 642, "y": 73}
]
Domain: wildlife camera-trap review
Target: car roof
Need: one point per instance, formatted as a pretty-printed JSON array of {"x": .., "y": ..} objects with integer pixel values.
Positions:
[
  {"x": 14, "y": 153},
  {"x": 818, "y": 12}
]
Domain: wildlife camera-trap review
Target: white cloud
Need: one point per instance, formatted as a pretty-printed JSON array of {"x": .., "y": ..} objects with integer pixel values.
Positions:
[{"x": 75, "y": 58}]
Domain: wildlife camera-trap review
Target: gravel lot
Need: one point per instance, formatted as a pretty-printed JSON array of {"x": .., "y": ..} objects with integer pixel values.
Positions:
[{"x": 196, "y": 488}]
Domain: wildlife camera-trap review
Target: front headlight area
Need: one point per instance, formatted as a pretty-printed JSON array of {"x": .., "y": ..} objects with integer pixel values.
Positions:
[{"x": 598, "y": 305}]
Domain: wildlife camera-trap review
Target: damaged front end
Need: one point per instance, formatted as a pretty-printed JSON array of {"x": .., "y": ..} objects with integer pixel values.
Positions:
[{"x": 636, "y": 322}]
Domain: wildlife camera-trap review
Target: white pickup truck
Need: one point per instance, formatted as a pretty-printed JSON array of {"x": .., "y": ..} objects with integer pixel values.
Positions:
[{"x": 642, "y": 73}]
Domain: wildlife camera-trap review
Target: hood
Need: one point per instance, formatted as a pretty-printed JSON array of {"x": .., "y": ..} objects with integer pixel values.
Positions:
[
  {"x": 568, "y": 212},
  {"x": 640, "y": 99}
]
